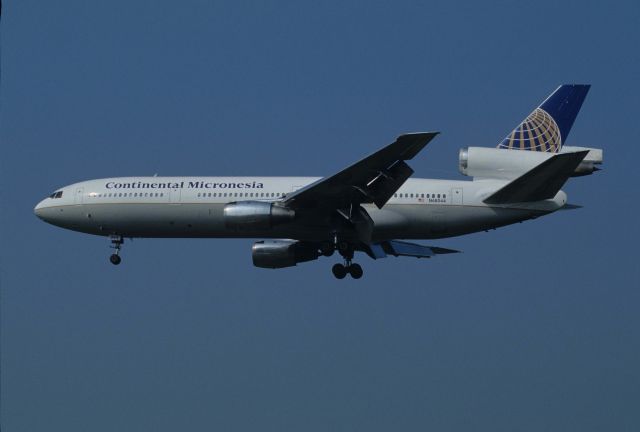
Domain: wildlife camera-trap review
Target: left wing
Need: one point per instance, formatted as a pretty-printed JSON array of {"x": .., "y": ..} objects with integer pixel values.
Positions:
[
  {"x": 401, "y": 248},
  {"x": 374, "y": 179}
]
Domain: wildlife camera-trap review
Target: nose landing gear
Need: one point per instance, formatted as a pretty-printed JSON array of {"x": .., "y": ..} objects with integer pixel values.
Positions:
[{"x": 116, "y": 244}]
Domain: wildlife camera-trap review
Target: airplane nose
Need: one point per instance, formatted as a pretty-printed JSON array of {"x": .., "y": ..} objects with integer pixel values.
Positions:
[{"x": 39, "y": 209}]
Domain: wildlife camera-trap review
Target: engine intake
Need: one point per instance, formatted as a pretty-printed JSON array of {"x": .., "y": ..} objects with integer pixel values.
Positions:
[
  {"x": 282, "y": 253},
  {"x": 257, "y": 215}
]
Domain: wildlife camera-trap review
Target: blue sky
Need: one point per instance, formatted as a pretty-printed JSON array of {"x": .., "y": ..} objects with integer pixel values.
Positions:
[{"x": 534, "y": 327}]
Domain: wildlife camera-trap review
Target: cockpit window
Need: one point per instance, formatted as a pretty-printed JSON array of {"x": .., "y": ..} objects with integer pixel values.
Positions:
[{"x": 56, "y": 195}]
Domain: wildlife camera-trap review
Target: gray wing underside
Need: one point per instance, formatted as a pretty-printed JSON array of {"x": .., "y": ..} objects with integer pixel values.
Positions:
[{"x": 373, "y": 179}]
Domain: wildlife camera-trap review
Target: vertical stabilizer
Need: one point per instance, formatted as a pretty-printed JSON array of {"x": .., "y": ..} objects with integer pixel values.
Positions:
[{"x": 547, "y": 127}]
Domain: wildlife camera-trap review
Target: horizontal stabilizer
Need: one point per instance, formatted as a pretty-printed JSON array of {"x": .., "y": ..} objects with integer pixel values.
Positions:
[
  {"x": 401, "y": 248},
  {"x": 571, "y": 207},
  {"x": 540, "y": 183}
]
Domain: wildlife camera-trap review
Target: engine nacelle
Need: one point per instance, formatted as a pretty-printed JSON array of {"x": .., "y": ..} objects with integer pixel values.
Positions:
[
  {"x": 257, "y": 215},
  {"x": 282, "y": 253},
  {"x": 588, "y": 164},
  {"x": 485, "y": 162}
]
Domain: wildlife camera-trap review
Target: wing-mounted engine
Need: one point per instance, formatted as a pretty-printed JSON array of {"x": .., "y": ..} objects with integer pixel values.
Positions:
[
  {"x": 255, "y": 215},
  {"x": 496, "y": 163},
  {"x": 282, "y": 253}
]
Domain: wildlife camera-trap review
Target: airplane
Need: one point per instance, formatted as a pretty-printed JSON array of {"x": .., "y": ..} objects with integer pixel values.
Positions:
[{"x": 372, "y": 206}]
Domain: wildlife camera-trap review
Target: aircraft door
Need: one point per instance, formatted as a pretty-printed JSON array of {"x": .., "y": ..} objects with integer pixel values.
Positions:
[
  {"x": 175, "y": 195},
  {"x": 77, "y": 197},
  {"x": 456, "y": 196}
]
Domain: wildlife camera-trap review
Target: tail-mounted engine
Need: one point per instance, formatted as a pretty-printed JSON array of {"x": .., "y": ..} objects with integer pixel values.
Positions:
[
  {"x": 250, "y": 215},
  {"x": 484, "y": 162},
  {"x": 282, "y": 253}
]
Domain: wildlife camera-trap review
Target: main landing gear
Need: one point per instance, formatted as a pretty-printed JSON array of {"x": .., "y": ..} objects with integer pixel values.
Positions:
[
  {"x": 341, "y": 270},
  {"x": 116, "y": 244}
]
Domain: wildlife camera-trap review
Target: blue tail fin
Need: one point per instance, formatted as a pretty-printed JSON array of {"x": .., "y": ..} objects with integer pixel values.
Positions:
[{"x": 547, "y": 127}]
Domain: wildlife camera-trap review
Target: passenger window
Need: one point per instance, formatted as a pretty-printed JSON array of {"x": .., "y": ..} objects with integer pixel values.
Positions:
[
  {"x": 438, "y": 195},
  {"x": 421, "y": 195}
]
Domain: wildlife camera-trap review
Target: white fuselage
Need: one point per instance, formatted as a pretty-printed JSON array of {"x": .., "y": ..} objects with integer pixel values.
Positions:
[{"x": 193, "y": 207}]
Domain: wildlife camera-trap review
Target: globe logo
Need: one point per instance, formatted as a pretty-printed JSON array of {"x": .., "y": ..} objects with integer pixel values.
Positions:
[{"x": 538, "y": 132}]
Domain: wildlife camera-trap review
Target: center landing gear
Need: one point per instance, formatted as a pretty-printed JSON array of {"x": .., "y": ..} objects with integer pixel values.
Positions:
[
  {"x": 116, "y": 244},
  {"x": 341, "y": 270}
]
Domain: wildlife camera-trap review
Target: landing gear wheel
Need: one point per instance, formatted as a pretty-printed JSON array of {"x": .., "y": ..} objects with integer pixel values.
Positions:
[
  {"x": 355, "y": 271},
  {"x": 116, "y": 244},
  {"x": 339, "y": 271}
]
